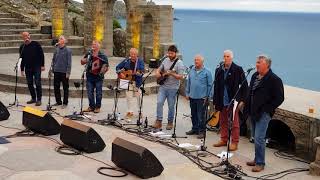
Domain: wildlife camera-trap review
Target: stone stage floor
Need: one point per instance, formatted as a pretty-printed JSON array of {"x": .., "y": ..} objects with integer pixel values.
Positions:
[{"x": 32, "y": 158}]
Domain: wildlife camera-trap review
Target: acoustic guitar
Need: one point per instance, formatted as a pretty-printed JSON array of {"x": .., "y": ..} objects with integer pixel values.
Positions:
[
  {"x": 163, "y": 77},
  {"x": 128, "y": 74}
]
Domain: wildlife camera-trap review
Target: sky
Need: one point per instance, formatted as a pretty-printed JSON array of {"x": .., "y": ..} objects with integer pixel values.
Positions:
[{"x": 245, "y": 5}]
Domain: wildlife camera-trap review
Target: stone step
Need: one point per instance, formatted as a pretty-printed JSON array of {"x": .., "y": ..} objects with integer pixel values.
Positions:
[
  {"x": 18, "y": 31},
  {"x": 9, "y": 20},
  {"x": 76, "y": 50},
  {"x": 45, "y": 80},
  {"x": 10, "y": 26},
  {"x": 9, "y": 87},
  {"x": 43, "y": 42},
  {"x": 18, "y": 37},
  {"x": 5, "y": 15}
]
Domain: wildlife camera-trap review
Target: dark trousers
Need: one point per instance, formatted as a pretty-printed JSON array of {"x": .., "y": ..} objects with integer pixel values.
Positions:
[
  {"x": 58, "y": 78},
  {"x": 198, "y": 115},
  {"x": 34, "y": 77}
]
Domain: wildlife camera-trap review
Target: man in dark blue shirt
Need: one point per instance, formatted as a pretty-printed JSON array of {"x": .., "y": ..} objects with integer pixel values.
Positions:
[
  {"x": 97, "y": 66},
  {"x": 32, "y": 64}
]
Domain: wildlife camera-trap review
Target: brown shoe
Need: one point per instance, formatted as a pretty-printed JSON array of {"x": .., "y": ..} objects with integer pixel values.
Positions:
[
  {"x": 129, "y": 115},
  {"x": 251, "y": 163},
  {"x": 233, "y": 147},
  {"x": 169, "y": 126},
  {"x": 157, "y": 124},
  {"x": 220, "y": 144},
  {"x": 89, "y": 109},
  {"x": 257, "y": 168},
  {"x": 96, "y": 110}
]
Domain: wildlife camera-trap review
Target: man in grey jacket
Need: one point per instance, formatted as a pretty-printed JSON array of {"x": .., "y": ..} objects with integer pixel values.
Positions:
[{"x": 61, "y": 68}]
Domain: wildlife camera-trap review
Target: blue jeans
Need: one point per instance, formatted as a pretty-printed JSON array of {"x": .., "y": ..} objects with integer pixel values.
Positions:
[
  {"x": 34, "y": 77},
  {"x": 170, "y": 95},
  {"x": 197, "y": 114},
  {"x": 94, "y": 83},
  {"x": 259, "y": 127}
]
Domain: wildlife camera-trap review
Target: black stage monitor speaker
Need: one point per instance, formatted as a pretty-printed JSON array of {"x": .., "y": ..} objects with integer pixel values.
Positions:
[
  {"x": 40, "y": 121},
  {"x": 4, "y": 113},
  {"x": 135, "y": 159},
  {"x": 81, "y": 137}
]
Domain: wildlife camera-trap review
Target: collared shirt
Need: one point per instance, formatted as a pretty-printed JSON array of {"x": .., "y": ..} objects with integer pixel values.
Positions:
[
  {"x": 199, "y": 83},
  {"x": 226, "y": 98}
]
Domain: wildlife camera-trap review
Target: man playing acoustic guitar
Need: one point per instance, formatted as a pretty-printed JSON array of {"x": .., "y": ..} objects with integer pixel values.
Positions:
[
  {"x": 132, "y": 69},
  {"x": 169, "y": 75}
]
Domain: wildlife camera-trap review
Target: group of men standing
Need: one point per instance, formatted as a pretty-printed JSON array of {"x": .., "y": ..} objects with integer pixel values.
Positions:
[{"x": 258, "y": 100}]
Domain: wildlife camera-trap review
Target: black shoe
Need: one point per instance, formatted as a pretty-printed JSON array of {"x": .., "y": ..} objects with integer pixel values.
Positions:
[
  {"x": 38, "y": 103},
  {"x": 31, "y": 101},
  {"x": 191, "y": 132},
  {"x": 200, "y": 135},
  {"x": 57, "y": 104}
]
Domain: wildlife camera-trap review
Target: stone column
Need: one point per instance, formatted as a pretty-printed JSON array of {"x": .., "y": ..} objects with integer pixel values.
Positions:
[
  {"x": 107, "y": 42},
  {"x": 315, "y": 166},
  {"x": 89, "y": 12},
  {"x": 59, "y": 18}
]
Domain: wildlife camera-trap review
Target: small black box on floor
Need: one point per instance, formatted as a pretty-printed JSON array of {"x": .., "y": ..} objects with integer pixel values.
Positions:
[
  {"x": 40, "y": 122},
  {"x": 46, "y": 30},
  {"x": 4, "y": 113},
  {"x": 135, "y": 159},
  {"x": 154, "y": 63},
  {"x": 81, "y": 137}
]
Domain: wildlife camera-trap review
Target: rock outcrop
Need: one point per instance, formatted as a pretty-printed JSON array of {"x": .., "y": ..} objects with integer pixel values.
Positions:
[{"x": 119, "y": 42}]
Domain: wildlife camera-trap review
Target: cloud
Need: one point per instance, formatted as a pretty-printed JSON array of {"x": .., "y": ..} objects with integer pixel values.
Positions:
[
  {"x": 246, "y": 5},
  {"x": 252, "y": 5}
]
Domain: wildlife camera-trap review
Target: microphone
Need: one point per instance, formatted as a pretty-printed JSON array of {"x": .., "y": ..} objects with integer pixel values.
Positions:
[
  {"x": 56, "y": 45},
  {"x": 221, "y": 63},
  {"x": 109, "y": 86},
  {"x": 250, "y": 69}
]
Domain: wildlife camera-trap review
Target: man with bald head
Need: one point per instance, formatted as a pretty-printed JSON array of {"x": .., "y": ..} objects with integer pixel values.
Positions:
[
  {"x": 198, "y": 86},
  {"x": 96, "y": 66},
  {"x": 136, "y": 65},
  {"x": 31, "y": 66},
  {"x": 228, "y": 78}
]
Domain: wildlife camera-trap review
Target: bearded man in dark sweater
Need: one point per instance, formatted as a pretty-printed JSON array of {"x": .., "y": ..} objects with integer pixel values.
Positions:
[{"x": 32, "y": 64}]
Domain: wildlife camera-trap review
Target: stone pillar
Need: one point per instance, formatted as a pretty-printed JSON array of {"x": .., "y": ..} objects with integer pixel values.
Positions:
[
  {"x": 89, "y": 9},
  {"x": 107, "y": 42},
  {"x": 315, "y": 166},
  {"x": 59, "y": 18}
]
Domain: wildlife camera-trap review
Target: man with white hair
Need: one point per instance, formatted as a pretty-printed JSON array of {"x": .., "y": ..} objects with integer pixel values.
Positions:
[
  {"x": 97, "y": 66},
  {"x": 136, "y": 66},
  {"x": 228, "y": 78},
  {"x": 61, "y": 68},
  {"x": 32, "y": 64},
  {"x": 198, "y": 86},
  {"x": 266, "y": 93}
]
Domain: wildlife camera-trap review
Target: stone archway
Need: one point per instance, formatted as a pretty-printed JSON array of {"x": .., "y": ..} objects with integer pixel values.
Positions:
[{"x": 98, "y": 23}]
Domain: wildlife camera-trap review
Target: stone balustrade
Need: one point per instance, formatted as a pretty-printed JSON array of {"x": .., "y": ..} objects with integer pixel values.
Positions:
[{"x": 315, "y": 166}]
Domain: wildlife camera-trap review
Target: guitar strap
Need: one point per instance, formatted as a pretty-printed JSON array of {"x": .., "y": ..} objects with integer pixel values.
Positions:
[{"x": 174, "y": 63}]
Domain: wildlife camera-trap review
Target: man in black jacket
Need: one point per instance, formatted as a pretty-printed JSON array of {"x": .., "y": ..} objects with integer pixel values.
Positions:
[
  {"x": 228, "y": 79},
  {"x": 265, "y": 95},
  {"x": 32, "y": 64}
]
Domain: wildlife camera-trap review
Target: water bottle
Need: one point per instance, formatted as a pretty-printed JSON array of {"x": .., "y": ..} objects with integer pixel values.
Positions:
[
  {"x": 146, "y": 123},
  {"x": 118, "y": 116}
]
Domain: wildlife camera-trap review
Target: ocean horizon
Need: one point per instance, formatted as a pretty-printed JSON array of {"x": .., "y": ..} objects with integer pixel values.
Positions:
[{"x": 291, "y": 39}]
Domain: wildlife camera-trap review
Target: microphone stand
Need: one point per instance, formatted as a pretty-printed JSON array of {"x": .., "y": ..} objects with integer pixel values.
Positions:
[
  {"x": 112, "y": 120},
  {"x": 16, "y": 102},
  {"x": 230, "y": 169},
  {"x": 49, "y": 107},
  {"x": 80, "y": 115}
]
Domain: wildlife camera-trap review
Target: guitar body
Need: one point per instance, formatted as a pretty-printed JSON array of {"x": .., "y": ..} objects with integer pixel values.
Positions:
[
  {"x": 162, "y": 79},
  {"x": 126, "y": 75}
]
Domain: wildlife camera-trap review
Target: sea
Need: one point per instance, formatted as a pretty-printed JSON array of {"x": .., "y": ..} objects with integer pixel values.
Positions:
[{"x": 292, "y": 40}]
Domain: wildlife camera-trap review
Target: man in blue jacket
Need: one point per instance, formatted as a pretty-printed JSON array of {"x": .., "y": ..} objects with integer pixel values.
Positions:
[
  {"x": 197, "y": 91},
  {"x": 136, "y": 65}
]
